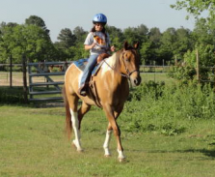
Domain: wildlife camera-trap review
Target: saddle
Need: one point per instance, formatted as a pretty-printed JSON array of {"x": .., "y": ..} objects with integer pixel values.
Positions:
[
  {"x": 102, "y": 56},
  {"x": 81, "y": 63},
  {"x": 90, "y": 87}
]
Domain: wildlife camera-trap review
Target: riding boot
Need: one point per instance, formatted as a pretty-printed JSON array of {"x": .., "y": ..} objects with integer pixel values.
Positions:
[{"x": 83, "y": 90}]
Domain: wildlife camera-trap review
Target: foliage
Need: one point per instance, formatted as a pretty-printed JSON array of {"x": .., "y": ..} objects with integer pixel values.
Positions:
[
  {"x": 196, "y": 7},
  {"x": 29, "y": 40},
  {"x": 35, "y": 20},
  {"x": 33, "y": 40},
  {"x": 182, "y": 73},
  {"x": 186, "y": 70},
  {"x": 159, "y": 108}
]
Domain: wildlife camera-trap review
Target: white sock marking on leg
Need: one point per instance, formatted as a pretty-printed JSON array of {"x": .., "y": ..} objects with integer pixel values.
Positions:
[
  {"x": 74, "y": 119},
  {"x": 106, "y": 143}
]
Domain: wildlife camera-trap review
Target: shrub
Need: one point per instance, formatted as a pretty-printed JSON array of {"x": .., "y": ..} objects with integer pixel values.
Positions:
[{"x": 156, "y": 107}]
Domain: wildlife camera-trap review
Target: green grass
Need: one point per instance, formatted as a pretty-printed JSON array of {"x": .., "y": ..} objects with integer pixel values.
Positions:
[
  {"x": 157, "y": 77},
  {"x": 33, "y": 144}
]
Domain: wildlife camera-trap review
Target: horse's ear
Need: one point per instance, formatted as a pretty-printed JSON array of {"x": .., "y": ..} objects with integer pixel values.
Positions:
[
  {"x": 136, "y": 45},
  {"x": 125, "y": 45}
]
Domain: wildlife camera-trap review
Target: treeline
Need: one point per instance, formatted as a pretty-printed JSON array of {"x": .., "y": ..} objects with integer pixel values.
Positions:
[{"x": 32, "y": 39}]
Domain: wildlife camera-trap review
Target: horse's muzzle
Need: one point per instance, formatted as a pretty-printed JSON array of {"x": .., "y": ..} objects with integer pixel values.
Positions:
[{"x": 135, "y": 79}]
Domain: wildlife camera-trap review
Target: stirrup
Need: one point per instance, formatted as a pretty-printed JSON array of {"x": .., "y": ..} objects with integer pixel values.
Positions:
[{"x": 82, "y": 90}]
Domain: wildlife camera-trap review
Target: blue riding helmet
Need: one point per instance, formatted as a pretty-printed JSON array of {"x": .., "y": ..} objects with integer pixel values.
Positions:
[{"x": 100, "y": 18}]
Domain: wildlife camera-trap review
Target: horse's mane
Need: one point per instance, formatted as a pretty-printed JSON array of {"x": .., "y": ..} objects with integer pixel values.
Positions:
[{"x": 113, "y": 61}]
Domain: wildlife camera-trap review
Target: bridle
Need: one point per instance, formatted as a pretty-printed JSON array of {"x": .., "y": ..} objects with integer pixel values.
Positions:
[{"x": 128, "y": 73}]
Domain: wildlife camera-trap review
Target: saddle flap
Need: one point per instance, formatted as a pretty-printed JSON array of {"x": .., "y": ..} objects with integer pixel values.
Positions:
[{"x": 81, "y": 63}]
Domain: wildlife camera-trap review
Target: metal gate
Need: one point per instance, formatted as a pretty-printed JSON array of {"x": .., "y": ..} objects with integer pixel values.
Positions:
[{"x": 46, "y": 80}]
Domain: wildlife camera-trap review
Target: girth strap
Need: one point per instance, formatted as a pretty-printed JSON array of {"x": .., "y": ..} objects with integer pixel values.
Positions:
[{"x": 94, "y": 93}]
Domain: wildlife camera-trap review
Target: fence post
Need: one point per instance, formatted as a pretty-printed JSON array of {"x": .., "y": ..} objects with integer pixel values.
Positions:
[
  {"x": 25, "y": 88},
  {"x": 11, "y": 71},
  {"x": 197, "y": 66},
  {"x": 176, "y": 61}
]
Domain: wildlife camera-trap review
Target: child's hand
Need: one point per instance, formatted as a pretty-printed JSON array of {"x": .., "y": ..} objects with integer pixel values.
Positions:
[
  {"x": 112, "y": 48},
  {"x": 93, "y": 45}
]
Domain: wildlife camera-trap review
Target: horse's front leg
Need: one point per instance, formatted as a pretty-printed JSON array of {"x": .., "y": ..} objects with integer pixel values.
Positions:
[{"x": 111, "y": 117}]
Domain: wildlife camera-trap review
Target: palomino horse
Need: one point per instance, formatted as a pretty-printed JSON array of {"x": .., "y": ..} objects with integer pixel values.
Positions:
[{"x": 112, "y": 89}]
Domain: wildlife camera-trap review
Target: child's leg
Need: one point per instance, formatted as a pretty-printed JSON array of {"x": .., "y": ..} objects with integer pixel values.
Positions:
[{"x": 88, "y": 69}]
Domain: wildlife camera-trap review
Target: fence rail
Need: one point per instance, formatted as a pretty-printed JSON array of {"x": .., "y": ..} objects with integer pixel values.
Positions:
[
  {"x": 43, "y": 80},
  {"x": 43, "y": 69}
]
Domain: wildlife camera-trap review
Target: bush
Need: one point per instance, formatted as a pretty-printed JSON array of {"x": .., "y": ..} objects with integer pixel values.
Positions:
[
  {"x": 155, "y": 107},
  {"x": 182, "y": 73}
]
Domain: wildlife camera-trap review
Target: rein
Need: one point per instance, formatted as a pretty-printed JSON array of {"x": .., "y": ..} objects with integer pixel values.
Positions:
[
  {"x": 127, "y": 71},
  {"x": 123, "y": 75}
]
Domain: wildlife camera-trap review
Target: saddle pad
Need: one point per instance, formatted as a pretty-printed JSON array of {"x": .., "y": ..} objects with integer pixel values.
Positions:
[{"x": 81, "y": 63}]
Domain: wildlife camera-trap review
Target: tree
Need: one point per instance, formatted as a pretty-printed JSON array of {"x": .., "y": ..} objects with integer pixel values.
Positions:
[
  {"x": 168, "y": 44},
  {"x": 142, "y": 30},
  {"x": 183, "y": 42},
  {"x": 35, "y": 20},
  {"x": 66, "y": 38},
  {"x": 147, "y": 54},
  {"x": 79, "y": 33},
  {"x": 30, "y": 40},
  {"x": 131, "y": 35},
  {"x": 202, "y": 33},
  {"x": 116, "y": 36},
  {"x": 155, "y": 36},
  {"x": 196, "y": 7}
]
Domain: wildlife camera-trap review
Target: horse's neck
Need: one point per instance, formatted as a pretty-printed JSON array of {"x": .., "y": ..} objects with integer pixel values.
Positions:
[
  {"x": 111, "y": 68},
  {"x": 111, "y": 63}
]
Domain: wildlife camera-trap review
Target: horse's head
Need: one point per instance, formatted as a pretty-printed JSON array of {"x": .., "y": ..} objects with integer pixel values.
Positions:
[{"x": 129, "y": 60}]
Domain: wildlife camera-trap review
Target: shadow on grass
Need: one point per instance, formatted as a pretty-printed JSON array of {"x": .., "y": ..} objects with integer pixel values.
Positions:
[
  {"x": 206, "y": 152},
  {"x": 14, "y": 96},
  {"x": 11, "y": 95}
]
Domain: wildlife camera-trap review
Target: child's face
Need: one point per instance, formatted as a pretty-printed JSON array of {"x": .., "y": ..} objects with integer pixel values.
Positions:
[{"x": 98, "y": 26}]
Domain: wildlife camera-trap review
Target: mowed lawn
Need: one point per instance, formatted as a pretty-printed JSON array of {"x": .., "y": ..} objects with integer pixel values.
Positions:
[{"x": 33, "y": 144}]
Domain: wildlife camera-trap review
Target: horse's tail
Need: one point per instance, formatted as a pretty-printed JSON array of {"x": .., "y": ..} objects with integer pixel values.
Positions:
[{"x": 68, "y": 114}]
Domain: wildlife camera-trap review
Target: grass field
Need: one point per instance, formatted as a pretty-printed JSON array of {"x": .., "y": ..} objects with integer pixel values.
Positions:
[{"x": 33, "y": 144}]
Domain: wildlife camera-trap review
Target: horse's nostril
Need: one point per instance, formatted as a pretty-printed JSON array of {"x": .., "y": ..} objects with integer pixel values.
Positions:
[{"x": 136, "y": 81}]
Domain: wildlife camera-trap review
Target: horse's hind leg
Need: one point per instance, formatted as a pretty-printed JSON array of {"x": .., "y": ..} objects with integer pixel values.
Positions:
[
  {"x": 82, "y": 111},
  {"x": 73, "y": 105}
]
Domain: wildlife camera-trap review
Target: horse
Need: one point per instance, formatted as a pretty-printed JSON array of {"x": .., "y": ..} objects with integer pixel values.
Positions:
[{"x": 112, "y": 89}]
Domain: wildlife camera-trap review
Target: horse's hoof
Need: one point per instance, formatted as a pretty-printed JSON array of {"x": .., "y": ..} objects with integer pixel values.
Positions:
[
  {"x": 74, "y": 146},
  {"x": 80, "y": 150},
  {"x": 122, "y": 159},
  {"x": 107, "y": 155}
]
